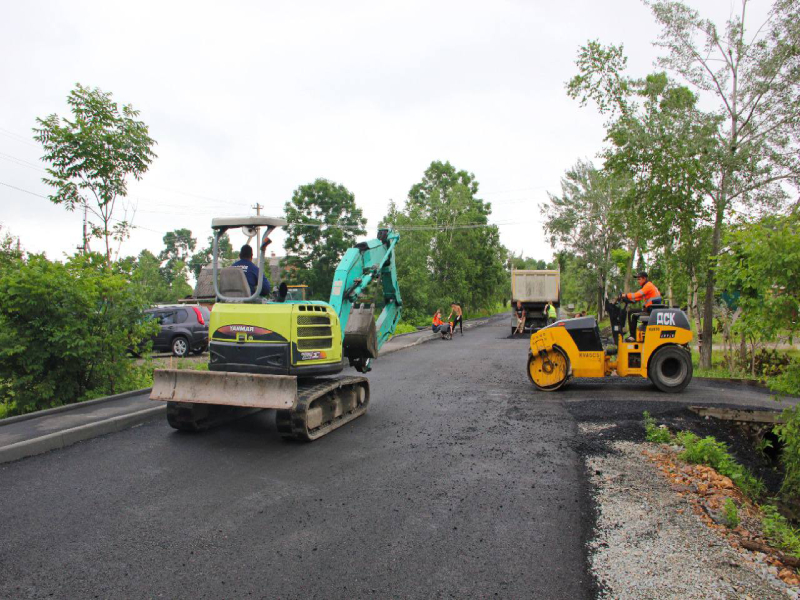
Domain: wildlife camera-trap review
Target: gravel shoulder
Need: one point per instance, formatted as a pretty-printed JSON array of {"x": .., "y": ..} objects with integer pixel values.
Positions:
[{"x": 649, "y": 543}]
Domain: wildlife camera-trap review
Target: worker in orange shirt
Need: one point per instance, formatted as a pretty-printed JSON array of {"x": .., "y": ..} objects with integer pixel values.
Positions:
[
  {"x": 649, "y": 293},
  {"x": 446, "y": 329}
]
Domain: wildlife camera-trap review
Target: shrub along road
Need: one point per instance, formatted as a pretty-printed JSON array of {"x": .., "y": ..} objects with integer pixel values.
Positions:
[{"x": 460, "y": 481}]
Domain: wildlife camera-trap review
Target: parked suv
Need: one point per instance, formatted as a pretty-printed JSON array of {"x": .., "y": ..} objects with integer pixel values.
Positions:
[{"x": 184, "y": 328}]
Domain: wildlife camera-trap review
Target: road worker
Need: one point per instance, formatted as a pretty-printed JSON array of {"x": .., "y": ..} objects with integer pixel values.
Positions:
[
  {"x": 441, "y": 327},
  {"x": 647, "y": 292}
]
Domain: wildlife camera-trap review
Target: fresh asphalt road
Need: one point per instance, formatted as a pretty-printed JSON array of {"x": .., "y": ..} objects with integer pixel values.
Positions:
[{"x": 460, "y": 481}]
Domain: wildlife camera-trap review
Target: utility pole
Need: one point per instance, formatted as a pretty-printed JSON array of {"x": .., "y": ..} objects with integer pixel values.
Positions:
[
  {"x": 257, "y": 208},
  {"x": 85, "y": 247}
]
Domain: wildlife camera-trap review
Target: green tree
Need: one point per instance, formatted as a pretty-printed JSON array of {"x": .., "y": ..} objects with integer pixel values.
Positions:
[
  {"x": 323, "y": 222},
  {"x": 585, "y": 220},
  {"x": 65, "y": 330},
  {"x": 145, "y": 272},
  {"x": 10, "y": 251},
  {"x": 760, "y": 263},
  {"x": 661, "y": 142},
  {"x": 91, "y": 156},
  {"x": 178, "y": 246},
  {"x": 449, "y": 251},
  {"x": 202, "y": 258},
  {"x": 754, "y": 79}
]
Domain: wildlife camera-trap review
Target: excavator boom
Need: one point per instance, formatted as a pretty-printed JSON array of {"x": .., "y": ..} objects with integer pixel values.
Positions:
[{"x": 367, "y": 261}]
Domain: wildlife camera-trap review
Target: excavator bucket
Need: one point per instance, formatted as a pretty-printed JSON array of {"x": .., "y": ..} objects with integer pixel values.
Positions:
[
  {"x": 249, "y": 390},
  {"x": 360, "y": 338}
]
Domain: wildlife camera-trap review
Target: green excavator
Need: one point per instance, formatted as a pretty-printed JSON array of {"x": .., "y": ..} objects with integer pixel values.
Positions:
[{"x": 280, "y": 353}]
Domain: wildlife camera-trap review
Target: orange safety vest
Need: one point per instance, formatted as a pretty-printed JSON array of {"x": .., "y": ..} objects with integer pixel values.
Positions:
[
  {"x": 437, "y": 321},
  {"x": 648, "y": 293}
]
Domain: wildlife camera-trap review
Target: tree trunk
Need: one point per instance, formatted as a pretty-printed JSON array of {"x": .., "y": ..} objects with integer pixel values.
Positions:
[
  {"x": 708, "y": 304},
  {"x": 629, "y": 269},
  {"x": 695, "y": 306},
  {"x": 743, "y": 351}
]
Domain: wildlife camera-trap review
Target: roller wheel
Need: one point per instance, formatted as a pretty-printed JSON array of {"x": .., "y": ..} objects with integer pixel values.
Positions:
[
  {"x": 549, "y": 372},
  {"x": 670, "y": 369}
]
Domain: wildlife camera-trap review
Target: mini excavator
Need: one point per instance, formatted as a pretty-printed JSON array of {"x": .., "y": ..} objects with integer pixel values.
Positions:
[
  {"x": 658, "y": 349},
  {"x": 281, "y": 353}
]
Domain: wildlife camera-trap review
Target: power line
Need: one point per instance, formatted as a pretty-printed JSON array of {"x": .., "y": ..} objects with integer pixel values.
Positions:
[
  {"x": 13, "y": 187},
  {"x": 16, "y": 137},
  {"x": 193, "y": 195},
  {"x": 20, "y": 162}
]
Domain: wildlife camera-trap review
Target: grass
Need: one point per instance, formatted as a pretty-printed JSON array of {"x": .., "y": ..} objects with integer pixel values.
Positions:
[
  {"x": 403, "y": 327},
  {"x": 708, "y": 451},
  {"x": 655, "y": 433},
  {"x": 730, "y": 513},
  {"x": 779, "y": 532},
  {"x": 717, "y": 371}
]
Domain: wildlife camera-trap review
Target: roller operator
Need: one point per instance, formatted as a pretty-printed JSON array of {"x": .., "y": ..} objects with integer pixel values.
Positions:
[{"x": 647, "y": 292}]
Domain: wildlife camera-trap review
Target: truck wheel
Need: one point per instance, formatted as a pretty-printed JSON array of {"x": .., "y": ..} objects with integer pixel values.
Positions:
[
  {"x": 670, "y": 369},
  {"x": 180, "y": 346}
]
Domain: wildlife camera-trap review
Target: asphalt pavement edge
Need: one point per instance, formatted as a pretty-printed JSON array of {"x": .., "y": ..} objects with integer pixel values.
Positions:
[
  {"x": 67, "y": 437},
  {"x": 67, "y": 407}
]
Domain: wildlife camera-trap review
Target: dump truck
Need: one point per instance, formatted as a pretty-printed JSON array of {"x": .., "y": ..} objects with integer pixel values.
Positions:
[{"x": 534, "y": 288}]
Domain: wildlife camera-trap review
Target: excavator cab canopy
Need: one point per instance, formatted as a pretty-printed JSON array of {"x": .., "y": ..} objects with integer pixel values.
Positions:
[{"x": 250, "y": 227}]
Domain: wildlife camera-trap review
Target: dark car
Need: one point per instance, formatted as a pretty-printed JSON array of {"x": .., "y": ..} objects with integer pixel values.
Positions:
[{"x": 184, "y": 328}]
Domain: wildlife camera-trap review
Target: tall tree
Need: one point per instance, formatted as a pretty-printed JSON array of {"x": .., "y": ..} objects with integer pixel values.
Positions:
[
  {"x": 754, "y": 78},
  {"x": 585, "y": 220},
  {"x": 91, "y": 156},
  {"x": 201, "y": 258},
  {"x": 178, "y": 246},
  {"x": 659, "y": 139},
  {"x": 449, "y": 251},
  {"x": 760, "y": 265},
  {"x": 324, "y": 221}
]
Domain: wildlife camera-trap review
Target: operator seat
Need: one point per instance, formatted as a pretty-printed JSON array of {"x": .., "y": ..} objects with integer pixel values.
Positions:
[
  {"x": 644, "y": 317},
  {"x": 233, "y": 283}
]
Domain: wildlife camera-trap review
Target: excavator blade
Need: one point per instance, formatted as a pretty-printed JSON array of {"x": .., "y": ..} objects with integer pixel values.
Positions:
[{"x": 224, "y": 388}]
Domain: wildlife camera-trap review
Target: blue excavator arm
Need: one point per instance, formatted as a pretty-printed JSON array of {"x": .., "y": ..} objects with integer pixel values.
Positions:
[{"x": 361, "y": 336}]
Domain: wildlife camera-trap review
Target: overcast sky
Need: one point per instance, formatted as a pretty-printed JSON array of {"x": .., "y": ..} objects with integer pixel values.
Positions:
[{"x": 249, "y": 100}]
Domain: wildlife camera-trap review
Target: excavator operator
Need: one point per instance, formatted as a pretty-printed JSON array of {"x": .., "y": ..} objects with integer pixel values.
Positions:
[
  {"x": 649, "y": 293},
  {"x": 245, "y": 263}
]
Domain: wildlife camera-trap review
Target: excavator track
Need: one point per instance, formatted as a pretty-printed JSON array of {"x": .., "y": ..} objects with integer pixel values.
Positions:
[
  {"x": 187, "y": 416},
  {"x": 322, "y": 406}
]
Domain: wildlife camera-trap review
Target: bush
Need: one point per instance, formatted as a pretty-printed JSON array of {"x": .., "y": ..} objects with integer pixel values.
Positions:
[
  {"x": 708, "y": 451},
  {"x": 654, "y": 433},
  {"x": 787, "y": 382},
  {"x": 65, "y": 330},
  {"x": 789, "y": 435},
  {"x": 770, "y": 363},
  {"x": 730, "y": 513},
  {"x": 779, "y": 532},
  {"x": 403, "y": 327}
]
